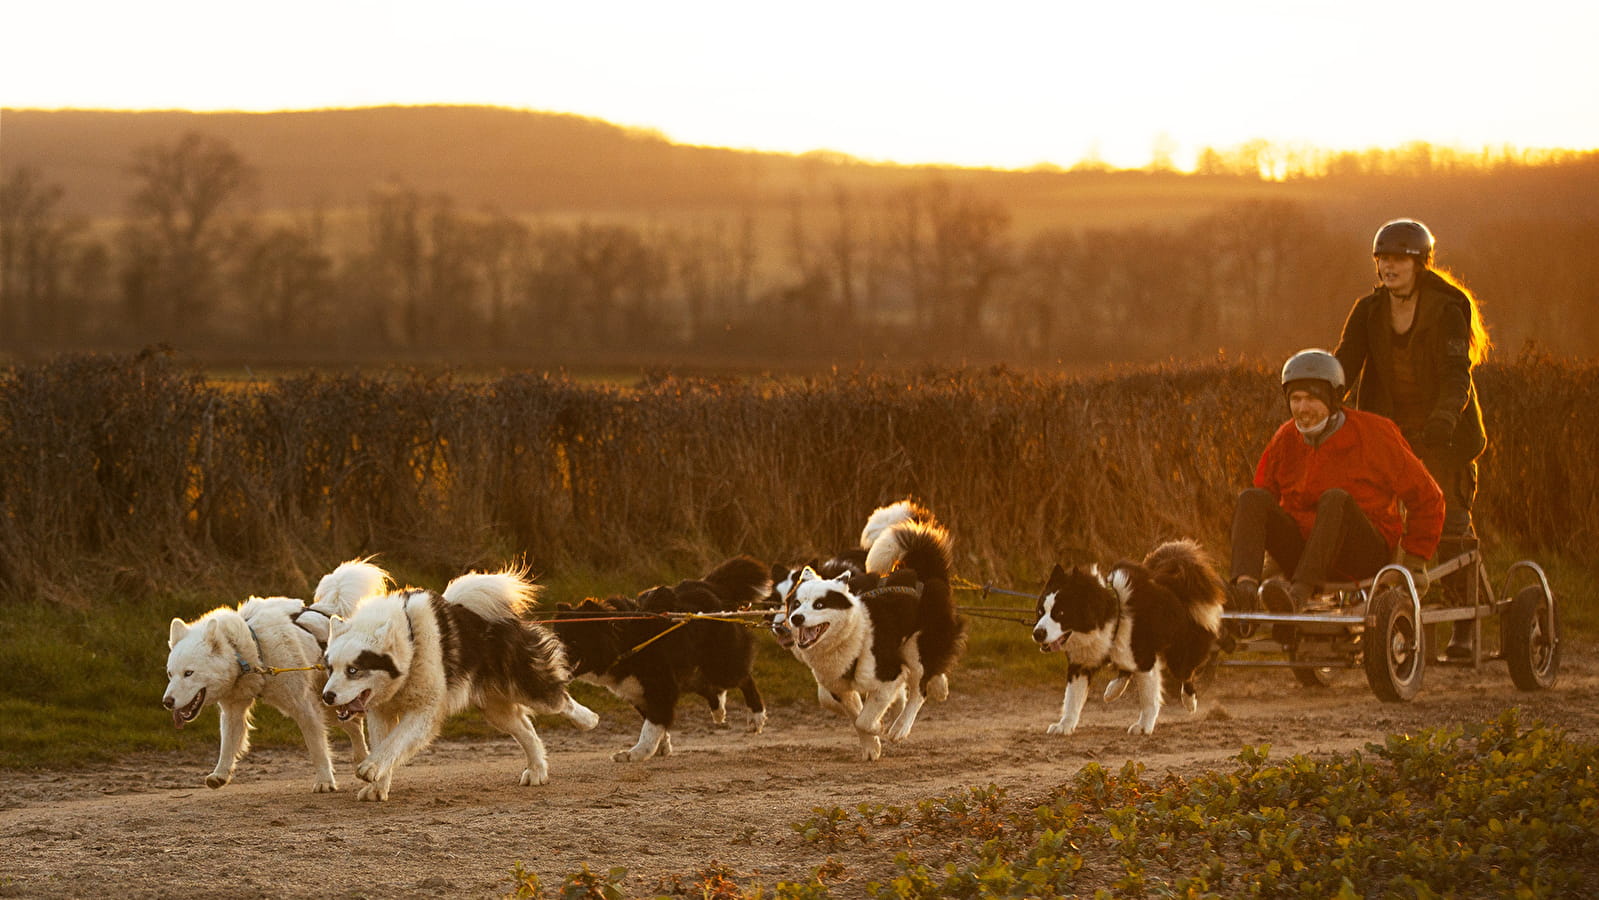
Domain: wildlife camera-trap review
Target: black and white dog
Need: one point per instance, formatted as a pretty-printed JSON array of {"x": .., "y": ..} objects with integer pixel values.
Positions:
[
  {"x": 649, "y": 661},
  {"x": 846, "y": 565},
  {"x": 884, "y": 637},
  {"x": 410, "y": 658},
  {"x": 1139, "y": 617}
]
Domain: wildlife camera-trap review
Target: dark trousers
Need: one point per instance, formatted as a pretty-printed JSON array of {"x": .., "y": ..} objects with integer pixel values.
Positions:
[
  {"x": 1342, "y": 542},
  {"x": 1458, "y": 480}
]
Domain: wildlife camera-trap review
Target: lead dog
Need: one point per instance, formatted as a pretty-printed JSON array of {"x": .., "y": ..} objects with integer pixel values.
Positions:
[
  {"x": 410, "y": 658},
  {"x": 887, "y": 637},
  {"x": 1165, "y": 611},
  {"x": 269, "y": 648},
  {"x": 649, "y": 661}
]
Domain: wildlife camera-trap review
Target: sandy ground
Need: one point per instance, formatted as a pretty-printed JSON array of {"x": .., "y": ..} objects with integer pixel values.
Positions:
[{"x": 457, "y": 822}]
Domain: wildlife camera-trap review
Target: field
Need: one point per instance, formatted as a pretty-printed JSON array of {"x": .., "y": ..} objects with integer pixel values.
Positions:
[
  {"x": 132, "y": 491},
  {"x": 719, "y": 817}
]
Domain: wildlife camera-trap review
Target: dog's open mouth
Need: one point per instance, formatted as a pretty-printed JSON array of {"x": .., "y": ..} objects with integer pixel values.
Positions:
[
  {"x": 1056, "y": 645},
  {"x": 784, "y": 635},
  {"x": 355, "y": 707},
  {"x": 810, "y": 634},
  {"x": 183, "y": 715}
]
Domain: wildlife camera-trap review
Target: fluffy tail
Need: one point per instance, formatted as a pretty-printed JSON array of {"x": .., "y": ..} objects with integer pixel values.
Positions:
[
  {"x": 341, "y": 590},
  {"x": 886, "y": 517},
  {"x": 740, "y": 581},
  {"x": 494, "y": 596},
  {"x": 923, "y": 546},
  {"x": 1185, "y": 569}
]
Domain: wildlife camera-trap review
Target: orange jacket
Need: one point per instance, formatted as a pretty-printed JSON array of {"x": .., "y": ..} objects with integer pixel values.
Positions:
[{"x": 1370, "y": 459}]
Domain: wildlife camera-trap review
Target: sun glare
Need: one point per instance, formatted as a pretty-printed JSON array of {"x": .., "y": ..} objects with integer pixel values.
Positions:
[{"x": 1022, "y": 83}]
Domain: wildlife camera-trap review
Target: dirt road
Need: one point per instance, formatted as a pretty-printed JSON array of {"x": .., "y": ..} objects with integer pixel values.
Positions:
[{"x": 457, "y": 822}]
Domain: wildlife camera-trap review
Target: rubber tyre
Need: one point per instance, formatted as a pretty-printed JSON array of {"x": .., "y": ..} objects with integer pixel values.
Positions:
[
  {"x": 1532, "y": 640},
  {"x": 1312, "y": 678},
  {"x": 1394, "y": 657}
]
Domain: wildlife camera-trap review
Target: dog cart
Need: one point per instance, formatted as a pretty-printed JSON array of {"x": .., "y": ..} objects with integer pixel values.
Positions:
[{"x": 1381, "y": 625}]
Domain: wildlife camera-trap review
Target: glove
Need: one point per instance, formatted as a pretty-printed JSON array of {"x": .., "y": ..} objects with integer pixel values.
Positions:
[
  {"x": 1438, "y": 432},
  {"x": 1418, "y": 572}
]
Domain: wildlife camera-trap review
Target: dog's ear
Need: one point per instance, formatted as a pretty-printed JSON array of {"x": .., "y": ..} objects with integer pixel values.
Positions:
[
  {"x": 176, "y": 632},
  {"x": 809, "y": 574},
  {"x": 1056, "y": 573},
  {"x": 335, "y": 627},
  {"x": 563, "y": 606}
]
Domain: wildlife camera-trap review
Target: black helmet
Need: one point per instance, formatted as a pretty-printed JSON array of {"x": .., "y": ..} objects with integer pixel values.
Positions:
[
  {"x": 1403, "y": 237},
  {"x": 1317, "y": 371}
]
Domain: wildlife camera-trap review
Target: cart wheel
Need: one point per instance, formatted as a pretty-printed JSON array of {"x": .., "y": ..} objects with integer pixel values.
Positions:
[
  {"x": 1321, "y": 677},
  {"x": 1393, "y": 652},
  {"x": 1532, "y": 640}
]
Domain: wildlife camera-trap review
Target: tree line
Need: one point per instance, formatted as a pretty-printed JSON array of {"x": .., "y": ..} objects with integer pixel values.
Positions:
[{"x": 917, "y": 271}]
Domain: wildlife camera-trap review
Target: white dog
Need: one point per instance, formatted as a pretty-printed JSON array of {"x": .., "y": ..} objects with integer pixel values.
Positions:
[
  {"x": 266, "y": 649},
  {"x": 411, "y": 658}
]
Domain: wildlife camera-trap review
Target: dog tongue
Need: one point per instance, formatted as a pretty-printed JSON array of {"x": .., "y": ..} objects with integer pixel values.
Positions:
[{"x": 177, "y": 718}]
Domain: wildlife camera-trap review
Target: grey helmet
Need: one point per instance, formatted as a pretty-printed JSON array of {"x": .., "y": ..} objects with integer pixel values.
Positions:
[
  {"x": 1404, "y": 237},
  {"x": 1319, "y": 368}
]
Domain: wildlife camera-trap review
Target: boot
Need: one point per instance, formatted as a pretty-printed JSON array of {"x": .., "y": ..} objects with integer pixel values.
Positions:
[
  {"x": 1460, "y": 646},
  {"x": 1281, "y": 597}
]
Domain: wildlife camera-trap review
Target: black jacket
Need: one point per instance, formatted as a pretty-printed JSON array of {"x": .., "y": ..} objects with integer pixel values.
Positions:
[{"x": 1441, "y": 338}]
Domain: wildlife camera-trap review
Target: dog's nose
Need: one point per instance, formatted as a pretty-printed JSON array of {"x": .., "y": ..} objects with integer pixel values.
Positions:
[
  {"x": 797, "y": 621},
  {"x": 328, "y": 697},
  {"x": 168, "y": 702},
  {"x": 1038, "y": 635}
]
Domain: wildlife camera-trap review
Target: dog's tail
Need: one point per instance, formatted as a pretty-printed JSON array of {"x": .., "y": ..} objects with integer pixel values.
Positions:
[
  {"x": 740, "y": 581},
  {"x": 1184, "y": 568},
  {"x": 341, "y": 590},
  {"x": 886, "y": 517},
  {"x": 922, "y": 546},
  {"x": 494, "y": 596}
]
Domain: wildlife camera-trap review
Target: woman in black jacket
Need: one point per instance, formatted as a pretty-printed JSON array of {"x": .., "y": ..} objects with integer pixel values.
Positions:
[{"x": 1408, "y": 348}]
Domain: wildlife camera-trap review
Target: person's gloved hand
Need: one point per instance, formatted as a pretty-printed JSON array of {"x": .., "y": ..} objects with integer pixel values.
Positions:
[
  {"x": 1438, "y": 432},
  {"x": 1418, "y": 572}
]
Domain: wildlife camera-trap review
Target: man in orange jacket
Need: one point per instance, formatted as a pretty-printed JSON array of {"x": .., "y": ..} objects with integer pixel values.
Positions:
[{"x": 1336, "y": 492}]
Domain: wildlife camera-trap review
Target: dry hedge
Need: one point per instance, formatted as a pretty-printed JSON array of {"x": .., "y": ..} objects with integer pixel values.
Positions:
[{"x": 128, "y": 473}]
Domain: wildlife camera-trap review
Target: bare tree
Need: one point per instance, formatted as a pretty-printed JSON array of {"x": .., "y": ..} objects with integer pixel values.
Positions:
[
  {"x": 178, "y": 234},
  {"x": 36, "y": 246}
]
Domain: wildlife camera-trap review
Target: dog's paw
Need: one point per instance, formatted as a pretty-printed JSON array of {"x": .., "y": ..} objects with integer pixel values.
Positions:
[
  {"x": 757, "y": 722},
  {"x": 1190, "y": 703},
  {"x": 1116, "y": 688},
  {"x": 664, "y": 748},
  {"x": 532, "y": 778},
  {"x": 325, "y": 787},
  {"x": 1141, "y": 727},
  {"x": 218, "y": 779},
  {"x": 871, "y": 749},
  {"x": 367, "y": 770},
  {"x": 372, "y": 793},
  {"x": 938, "y": 688},
  {"x": 719, "y": 717},
  {"x": 581, "y": 716},
  {"x": 1061, "y": 728},
  {"x": 899, "y": 733}
]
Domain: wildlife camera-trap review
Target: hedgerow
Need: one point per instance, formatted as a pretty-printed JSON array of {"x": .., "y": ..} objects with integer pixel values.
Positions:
[{"x": 131, "y": 474}]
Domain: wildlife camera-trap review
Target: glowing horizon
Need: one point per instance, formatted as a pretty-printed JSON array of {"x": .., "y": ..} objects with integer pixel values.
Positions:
[{"x": 1028, "y": 84}]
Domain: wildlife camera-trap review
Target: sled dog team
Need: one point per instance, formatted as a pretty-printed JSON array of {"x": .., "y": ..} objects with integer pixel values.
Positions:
[{"x": 876, "y": 624}]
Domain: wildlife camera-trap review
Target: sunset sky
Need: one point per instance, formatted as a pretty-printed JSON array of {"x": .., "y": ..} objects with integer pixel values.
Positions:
[{"x": 1003, "y": 83}]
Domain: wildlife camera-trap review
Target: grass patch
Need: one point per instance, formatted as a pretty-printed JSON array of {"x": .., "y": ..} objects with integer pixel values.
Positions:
[{"x": 1502, "y": 808}]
